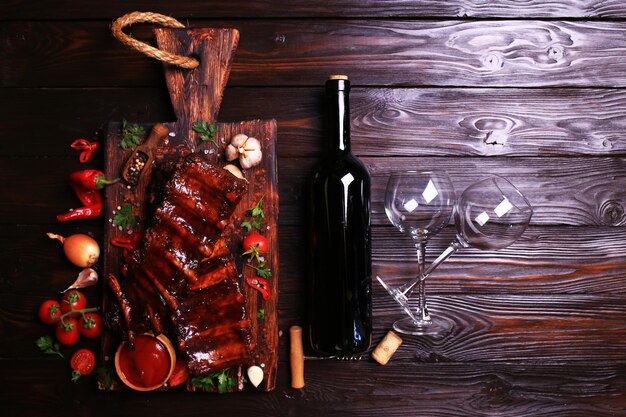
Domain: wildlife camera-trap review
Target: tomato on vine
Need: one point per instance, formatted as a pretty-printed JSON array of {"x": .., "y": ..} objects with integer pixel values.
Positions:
[
  {"x": 67, "y": 331},
  {"x": 73, "y": 300},
  {"x": 90, "y": 325},
  {"x": 49, "y": 311}
]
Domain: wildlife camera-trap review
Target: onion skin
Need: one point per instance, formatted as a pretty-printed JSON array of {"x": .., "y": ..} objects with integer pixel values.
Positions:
[{"x": 81, "y": 250}]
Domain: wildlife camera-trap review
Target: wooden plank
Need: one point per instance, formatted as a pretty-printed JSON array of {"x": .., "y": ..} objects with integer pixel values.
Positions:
[
  {"x": 514, "y": 328},
  {"x": 547, "y": 260},
  {"x": 398, "y": 389},
  {"x": 385, "y": 122},
  {"x": 373, "y": 52},
  {"x": 93, "y": 9},
  {"x": 563, "y": 191}
]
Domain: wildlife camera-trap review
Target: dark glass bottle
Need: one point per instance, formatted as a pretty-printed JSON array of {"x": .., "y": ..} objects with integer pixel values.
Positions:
[{"x": 340, "y": 287}]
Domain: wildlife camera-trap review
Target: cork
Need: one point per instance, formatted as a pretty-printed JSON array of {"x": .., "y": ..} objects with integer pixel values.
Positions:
[
  {"x": 296, "y": 357},
  {"x": 337, "y": 77},
  {"x": 386, "y": 348}
]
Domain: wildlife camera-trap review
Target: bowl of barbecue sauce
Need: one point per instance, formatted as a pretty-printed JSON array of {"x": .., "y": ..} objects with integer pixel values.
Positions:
[{"x": 149, "y": 365}]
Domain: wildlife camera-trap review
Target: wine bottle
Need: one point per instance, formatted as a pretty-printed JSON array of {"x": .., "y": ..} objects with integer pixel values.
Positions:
[{"x": 340, "y": 286}]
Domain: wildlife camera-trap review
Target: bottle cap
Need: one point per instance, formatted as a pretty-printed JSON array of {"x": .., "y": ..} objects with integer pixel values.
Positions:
[{"x": 337, "y": 77}]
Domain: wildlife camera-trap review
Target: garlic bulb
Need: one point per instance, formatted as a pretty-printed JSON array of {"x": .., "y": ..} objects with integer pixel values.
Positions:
[{"x": 247, "y": 149}]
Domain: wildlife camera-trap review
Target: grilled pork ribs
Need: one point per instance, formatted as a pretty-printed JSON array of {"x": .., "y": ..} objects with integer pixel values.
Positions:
[{"x": 182, "y": 280}]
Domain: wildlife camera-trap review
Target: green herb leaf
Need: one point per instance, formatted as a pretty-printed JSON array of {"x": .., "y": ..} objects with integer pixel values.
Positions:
[
  {"x": 125, "y": 217},
  {"x": 246, "y": 225},
  {"x": 206, "y": 131},
  {"x": 256, "y": 216},
  {"x": 105, "y": 378},
  {"x": 260, "y": 314},
  {"x": 132, "y": 134},
  {"x": 207, "y": 383},
  {"x": 47, "y": 345},
  {"x": 262, "y": 272}
]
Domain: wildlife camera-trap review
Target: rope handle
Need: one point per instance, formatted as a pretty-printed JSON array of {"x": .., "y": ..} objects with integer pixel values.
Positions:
[{"x": 149, "y": 17}]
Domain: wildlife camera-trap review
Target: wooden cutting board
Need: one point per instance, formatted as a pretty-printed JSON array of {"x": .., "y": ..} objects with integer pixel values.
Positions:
[{"x": 196, "y": 95}]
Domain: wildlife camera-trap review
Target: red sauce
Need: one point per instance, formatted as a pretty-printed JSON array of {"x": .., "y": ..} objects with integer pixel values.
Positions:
[{"x": 146, "y": 366}]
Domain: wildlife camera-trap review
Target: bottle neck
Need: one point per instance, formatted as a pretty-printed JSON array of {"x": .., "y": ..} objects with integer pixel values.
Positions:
[{"x": 338, "y": 116}]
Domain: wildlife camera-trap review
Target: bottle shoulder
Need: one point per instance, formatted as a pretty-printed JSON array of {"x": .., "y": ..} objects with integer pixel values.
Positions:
[{"x": 341, "y": 164}]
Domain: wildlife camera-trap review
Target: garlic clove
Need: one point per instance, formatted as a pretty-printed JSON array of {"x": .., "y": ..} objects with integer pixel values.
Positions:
[
  {"x": 252, "y": 154},
  {"x": 238, "y": 140},
  {"x": 231, "y": 153},
  {"x": 234, "y": 170},
  {"x": 255, "y": 375},
  {"x": 86, "y": 278}
]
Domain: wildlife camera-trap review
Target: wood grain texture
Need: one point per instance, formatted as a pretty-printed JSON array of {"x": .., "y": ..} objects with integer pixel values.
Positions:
[
  {"x": 385, "y": 122},
  {"x": 197, "y": 94},
  {"x": 399, "y": 389},
  {"x": 399, "y": 52},
  {"x": 93, "y": 9}
]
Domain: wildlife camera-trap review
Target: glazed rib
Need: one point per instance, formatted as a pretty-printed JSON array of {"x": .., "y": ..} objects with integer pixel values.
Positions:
[{"x": 183, "y": 269}]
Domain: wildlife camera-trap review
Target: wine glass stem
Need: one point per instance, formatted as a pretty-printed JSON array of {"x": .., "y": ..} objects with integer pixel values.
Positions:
[
  {"x": 407, "y": 289},
  {"x": 422, "y": 310}
]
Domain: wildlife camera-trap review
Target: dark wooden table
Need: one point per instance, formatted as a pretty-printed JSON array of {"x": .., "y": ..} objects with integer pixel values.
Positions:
[{"x": 530, "y": 90}]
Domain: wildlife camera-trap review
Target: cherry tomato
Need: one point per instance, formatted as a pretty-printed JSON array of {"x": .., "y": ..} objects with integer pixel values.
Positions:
[
  {"x": 49, "y": 311},
  {"x": 67, "y": 331},
  {"x": 83, "y": 362},
  {"x": 73, "y": 300},
  {"x": 90, "y": 325},
  {"x": 256, "y": 242}
]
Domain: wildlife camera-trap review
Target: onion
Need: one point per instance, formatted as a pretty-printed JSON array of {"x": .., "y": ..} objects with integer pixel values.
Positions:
[{"x": 81, "y": 250}]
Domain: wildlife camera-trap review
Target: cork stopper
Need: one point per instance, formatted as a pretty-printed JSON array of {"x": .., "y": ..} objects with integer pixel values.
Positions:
[
  {"x": 296, "y": 357},
  {"x": 337, "y": 77},
  {"x": 386, "y": 348}
]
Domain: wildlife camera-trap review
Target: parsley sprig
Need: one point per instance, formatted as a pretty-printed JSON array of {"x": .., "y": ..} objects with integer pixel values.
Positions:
[
  {"x": 126, "y": 217},
  {"x": 260, "y": 314},
  {"x": 224, "y": 381},
  {"x": 131, "y": 134},
  {"x": 104, "y": 376},
  {"x": 260, "y": 269},
  {"x": 47, "y": 345},
  {"x": 206, "y": 131},
  {"x": 255, "y": 216}
]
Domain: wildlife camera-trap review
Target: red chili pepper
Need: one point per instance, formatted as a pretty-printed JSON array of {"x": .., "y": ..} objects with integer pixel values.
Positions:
[
  {"x": 86, "y": 185},
  {"x": 86, "y": 147},
  {"x": 261, "y": 285},
  {"x": 91, "y": 179}
]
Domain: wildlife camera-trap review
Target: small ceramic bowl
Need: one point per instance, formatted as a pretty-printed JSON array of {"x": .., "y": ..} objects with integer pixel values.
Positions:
[{"x": 138, "y": 364}]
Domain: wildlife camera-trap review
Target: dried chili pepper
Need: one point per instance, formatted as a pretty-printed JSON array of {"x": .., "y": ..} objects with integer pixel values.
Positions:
[
  {"x": 129, "y": 243},
  {"x": 86, "y": 147},
  {"x": 87, "y": 185},
  {"x": 261, "y": 285}
]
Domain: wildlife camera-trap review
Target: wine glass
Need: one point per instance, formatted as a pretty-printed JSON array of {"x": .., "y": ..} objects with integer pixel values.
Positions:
[
  {"x": 419, "y": 204},
  {"x": 491, "y": 214}
]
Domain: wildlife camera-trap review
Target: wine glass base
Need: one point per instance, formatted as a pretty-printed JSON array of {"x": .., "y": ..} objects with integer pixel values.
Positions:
[{"x": 435, "y": 327}]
